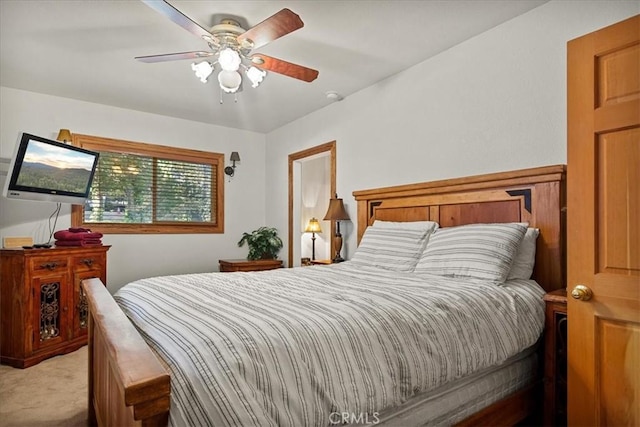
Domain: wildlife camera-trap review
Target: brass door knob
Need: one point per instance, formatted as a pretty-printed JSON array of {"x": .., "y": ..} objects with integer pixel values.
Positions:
[{"x": 582, "y": 293}]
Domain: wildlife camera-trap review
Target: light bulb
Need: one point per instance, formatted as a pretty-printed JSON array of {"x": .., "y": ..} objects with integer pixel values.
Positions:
[
  {"x": 229, "y": 81},
  {"x": 229, "y": 59},
  {"x": 256, "y": 76}
]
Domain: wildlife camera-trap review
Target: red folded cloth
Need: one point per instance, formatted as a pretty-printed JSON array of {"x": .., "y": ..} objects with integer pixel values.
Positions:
[
  {"x": 77, "y": 235},
  {"x": 78, "y": 229},
  {"x": 85, "y": 242}
]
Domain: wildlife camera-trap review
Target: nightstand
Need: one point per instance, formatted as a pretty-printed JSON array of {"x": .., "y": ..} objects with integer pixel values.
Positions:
[
  {"x": 555, "y": 359},
  {"x": 321, "y": 262},
  {"x": 228, "y": 265}
]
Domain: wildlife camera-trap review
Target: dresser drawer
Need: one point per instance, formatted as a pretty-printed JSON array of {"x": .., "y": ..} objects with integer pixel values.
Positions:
[
  {"x": 88, "y": 262},
  {"x": 48, "y": 264}
]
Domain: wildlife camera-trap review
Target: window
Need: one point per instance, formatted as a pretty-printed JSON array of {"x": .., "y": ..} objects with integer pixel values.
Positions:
[{"x": 145, "y": 188}]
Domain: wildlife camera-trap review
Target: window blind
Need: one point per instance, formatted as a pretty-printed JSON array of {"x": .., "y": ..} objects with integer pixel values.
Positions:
[{"x": 131, "y": 188}]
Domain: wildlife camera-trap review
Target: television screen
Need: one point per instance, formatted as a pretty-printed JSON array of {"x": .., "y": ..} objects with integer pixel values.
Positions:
[{"x": 42, "y": 169}]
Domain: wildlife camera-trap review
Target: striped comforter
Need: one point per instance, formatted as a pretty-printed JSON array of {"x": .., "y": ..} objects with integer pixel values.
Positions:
[{"x": 292, "y": 347}]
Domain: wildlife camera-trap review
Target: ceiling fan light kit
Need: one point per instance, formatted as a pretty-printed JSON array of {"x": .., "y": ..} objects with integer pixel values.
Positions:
[{"x": 232, "y": 46}]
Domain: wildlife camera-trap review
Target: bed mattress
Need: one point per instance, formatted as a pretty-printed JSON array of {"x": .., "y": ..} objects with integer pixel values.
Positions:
[
  {"x": 459, "y": 399},
  {"x": 291, "y": 347}
]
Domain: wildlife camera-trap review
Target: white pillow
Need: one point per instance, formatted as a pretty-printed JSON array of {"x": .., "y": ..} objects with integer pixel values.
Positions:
[
  {"x": 389, "y": 248},
  {"x": 483, "y": 251},
  {"x": 409, "y": 225},
  {"x": 525, "y": 259}
]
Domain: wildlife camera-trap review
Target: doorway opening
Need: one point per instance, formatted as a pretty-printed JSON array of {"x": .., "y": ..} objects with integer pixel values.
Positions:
[{"x": 312, "y": 182}]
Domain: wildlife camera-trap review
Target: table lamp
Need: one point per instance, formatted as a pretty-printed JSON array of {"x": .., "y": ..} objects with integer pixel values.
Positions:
[
  {"x": 337, "y": 213},
  {"x": 313, "y": 227}
]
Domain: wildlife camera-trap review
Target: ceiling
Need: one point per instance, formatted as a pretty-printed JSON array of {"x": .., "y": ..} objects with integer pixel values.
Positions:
[{"x": 85, "y": 50}]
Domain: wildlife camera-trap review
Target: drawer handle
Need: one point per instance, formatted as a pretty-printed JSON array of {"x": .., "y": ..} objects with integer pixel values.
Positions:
[
  {"x": 88, "y": 262},
  {"x": 49, "y": 265}
]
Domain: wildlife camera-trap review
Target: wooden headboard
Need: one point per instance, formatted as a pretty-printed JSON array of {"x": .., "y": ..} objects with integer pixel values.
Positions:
[{"x": 536, "y": 196}]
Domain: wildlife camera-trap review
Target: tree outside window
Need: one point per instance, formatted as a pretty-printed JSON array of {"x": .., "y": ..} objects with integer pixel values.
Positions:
[{"x": 146, "y": 188}]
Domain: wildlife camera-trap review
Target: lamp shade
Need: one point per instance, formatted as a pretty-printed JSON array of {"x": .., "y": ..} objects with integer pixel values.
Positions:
[
  {"x": 313, "y": 226},
  {"x": 235, "y": 157},
  {"x": 64, "y": 135},
  {"x": 256, "y": 76},
  {"x": 336, "y": 210},
  {"x": 203, "y": 70},
  {"x": 229, "y": 81},
  {"x": 229, "y": 59}
]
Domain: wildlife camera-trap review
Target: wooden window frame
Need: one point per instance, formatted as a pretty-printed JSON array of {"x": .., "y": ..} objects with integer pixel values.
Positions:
[{"x": 97, "y": 143}]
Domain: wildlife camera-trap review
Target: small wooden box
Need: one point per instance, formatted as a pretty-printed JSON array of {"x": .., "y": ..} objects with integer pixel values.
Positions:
[{"x": 16, "y": 242}]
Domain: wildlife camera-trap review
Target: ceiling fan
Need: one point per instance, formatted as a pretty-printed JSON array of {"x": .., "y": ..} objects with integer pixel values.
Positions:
[{"x": 232, "y": 46}]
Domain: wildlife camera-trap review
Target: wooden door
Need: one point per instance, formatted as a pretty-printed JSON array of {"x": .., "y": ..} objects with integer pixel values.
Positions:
[
  {"x": 603, "y": 223},
  {"x": 50, "y": 307},
  {"x": 80, "y": 305},
  {"x": 89, "y": 264}
]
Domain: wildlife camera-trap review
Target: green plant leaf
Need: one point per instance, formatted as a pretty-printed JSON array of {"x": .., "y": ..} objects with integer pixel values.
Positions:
[{"x": 263, "y": 242}]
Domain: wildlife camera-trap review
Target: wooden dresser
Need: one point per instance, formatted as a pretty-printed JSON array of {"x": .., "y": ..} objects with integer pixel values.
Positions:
[
  {"x": 228, "y": 265},
  {"x": 43, "y": 309},
  {"x": 555, "y": 360}
]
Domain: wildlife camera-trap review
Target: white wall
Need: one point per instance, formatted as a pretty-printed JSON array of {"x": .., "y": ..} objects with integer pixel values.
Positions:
[
  {"x": 141, "y": 255},
  {"x": 496, "y": 102}
]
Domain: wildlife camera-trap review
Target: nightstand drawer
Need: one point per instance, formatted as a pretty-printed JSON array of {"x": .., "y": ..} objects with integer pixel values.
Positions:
[{"x": 230, "y": 265}]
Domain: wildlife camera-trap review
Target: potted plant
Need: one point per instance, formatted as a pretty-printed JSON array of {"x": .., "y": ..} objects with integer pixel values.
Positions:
[{"x": 263, "y": 243}]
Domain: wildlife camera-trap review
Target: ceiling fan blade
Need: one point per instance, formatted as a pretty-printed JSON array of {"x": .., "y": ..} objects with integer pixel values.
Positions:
[
  {"x": 274, "y": 27},
  {"x": 174, "y": 56},
  {"x": 283, "y": 67},
  {"x": 178, "y": 17}
]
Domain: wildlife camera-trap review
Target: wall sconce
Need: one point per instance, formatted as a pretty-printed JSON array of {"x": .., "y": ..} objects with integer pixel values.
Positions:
[
  {"x": 337, "y": 213},
  {"x": 313, "y": 227},
  {"x": 231, "y": 170},
  {"x": 64, "y": 135}
]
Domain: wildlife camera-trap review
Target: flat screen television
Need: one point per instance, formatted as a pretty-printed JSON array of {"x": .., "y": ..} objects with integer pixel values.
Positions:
[{"x": 42, "y": 169}]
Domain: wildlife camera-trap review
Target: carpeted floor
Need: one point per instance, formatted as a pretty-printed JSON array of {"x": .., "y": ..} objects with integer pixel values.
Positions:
[{"x": 52, "y": 393}]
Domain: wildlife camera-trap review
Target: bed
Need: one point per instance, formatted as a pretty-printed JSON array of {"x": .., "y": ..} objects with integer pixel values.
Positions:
[{"x": 130, "y": 385}]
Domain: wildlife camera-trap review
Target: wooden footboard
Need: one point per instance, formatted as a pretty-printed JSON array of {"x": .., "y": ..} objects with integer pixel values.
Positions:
[{"x": 127, "y": 384}]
